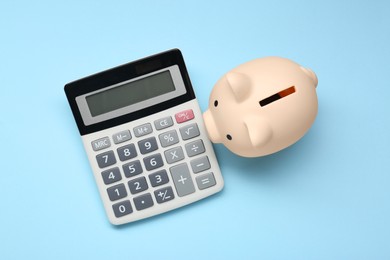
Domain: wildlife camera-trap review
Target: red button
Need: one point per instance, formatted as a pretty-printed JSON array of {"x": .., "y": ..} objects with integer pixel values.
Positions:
[{"x": 184, "y": 116}]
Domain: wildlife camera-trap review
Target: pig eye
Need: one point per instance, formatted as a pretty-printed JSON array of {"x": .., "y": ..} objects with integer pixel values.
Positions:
[
  {"x": 229, "y": 137},
  {"x": 216, "y": 103}
]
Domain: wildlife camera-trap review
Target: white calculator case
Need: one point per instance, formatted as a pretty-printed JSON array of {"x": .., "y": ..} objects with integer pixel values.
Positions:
[{"x": 151, "y": 154}]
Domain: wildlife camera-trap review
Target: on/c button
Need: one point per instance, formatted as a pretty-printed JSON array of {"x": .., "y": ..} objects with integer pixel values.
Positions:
[{"x": 184, "y": 116}]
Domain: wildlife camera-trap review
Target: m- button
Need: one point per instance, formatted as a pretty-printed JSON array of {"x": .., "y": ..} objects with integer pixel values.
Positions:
[{"x": 101, "y": 143}]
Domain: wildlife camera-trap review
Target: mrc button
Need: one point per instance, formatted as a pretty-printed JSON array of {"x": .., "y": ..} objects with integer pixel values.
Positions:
[{"x": 101, "y": 144}]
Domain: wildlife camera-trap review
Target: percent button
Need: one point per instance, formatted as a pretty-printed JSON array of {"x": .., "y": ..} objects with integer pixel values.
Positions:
[{"x": 168, "y": 138}]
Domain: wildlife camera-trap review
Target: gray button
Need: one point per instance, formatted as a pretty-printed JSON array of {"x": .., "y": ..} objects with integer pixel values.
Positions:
[
  {"x": 137, "y": 185},
  {"x": 194, "y": 148},
  {"x": 153, "y": 162},
  {"x": 205, "y": 181},
  {"x": 147, "y": 145},
  {"x": 127, "y": 152},
  {"x": 106, "y": 159},
  {"x": 143, "y": 130},
  {"x": 158, "y": 178},
  {"x": 132, "y": 168},
  {"x": 101, "y": 144},
  {"x": 182, "y": 179},
  {"x": 189, "y": 131},
  {"x": 174, "y": 155},
  {"x": 200, "y": 164},
  {"x": 168, "y": 138},
  {"x": 122, "y": 208},
  {"x": 121, "y": 137},
  {"x": 163, "y": 123},
  {"x": 164, "y": 195},
  {"x": 143, "y": 201},
  {"x": 117, "y": 192},
  {"x": 111, "y": 175}
]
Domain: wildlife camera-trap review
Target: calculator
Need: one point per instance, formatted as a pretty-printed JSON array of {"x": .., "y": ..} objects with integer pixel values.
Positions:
[{"x": 144, "y": 136}]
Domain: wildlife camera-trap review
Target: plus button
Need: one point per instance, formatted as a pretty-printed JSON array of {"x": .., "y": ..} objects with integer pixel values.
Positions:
[{"x": 182, "y": 180}]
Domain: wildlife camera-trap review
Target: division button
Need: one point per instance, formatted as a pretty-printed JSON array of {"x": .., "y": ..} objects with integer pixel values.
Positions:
[
  {"x": 143, "y": 201},
  {"x": 195, "y": 148}
]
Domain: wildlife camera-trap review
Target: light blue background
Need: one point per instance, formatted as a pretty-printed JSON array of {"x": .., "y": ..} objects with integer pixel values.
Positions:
[{"x": 326, "y": 197}]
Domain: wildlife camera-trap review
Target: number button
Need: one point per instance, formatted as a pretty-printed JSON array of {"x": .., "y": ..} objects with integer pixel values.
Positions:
[
  {"x": 158, "y": 178},
  {"x": 122, "y": 208},
  {"x": 138, "y": 185},
  {"x": 111, "y": 175},
  {"x": 126, "y": 152},
  {"x": 117, "y": 192},
  {"x": 106, "y": 159},
  {"x": 132, "y": 168},
  {"x": 153, "y": 162},
  {"x": 147, "y": 145}
]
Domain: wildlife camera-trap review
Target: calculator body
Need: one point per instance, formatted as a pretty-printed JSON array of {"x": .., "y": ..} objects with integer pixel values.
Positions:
[{"x": 144, "y": 136}]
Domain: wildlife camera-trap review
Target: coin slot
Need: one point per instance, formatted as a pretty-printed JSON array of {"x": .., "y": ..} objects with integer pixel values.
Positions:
[{"x": 284, "y": 93}]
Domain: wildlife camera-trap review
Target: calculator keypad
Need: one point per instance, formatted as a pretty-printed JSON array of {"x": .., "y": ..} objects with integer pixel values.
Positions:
[{"x": 144, "y": 183}]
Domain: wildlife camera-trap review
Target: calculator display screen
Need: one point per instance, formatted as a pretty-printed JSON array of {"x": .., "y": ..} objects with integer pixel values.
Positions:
[{"x": 130, "y": 93}]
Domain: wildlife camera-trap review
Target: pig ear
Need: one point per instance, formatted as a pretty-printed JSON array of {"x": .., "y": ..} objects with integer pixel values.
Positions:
[
  {"x": 239, "y": 84},
  {"x": 259, "y": 131},
  {"x": 311, "y": 75}
]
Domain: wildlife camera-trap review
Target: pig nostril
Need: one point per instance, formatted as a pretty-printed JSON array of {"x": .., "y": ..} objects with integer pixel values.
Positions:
[
  {"x": 216, "y": 103},
  {"x": 229, "y": 137}
]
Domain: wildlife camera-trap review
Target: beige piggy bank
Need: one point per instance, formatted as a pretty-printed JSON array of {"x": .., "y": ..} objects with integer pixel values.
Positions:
[{"x": 262, "y": 106}]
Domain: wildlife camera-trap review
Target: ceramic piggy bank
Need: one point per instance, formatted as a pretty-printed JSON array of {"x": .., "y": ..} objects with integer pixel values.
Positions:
[{"x": 262, "y": 106}]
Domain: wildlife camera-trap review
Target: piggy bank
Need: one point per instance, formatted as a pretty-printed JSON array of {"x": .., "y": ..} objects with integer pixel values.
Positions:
[{"x": 262, "y": 106}]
